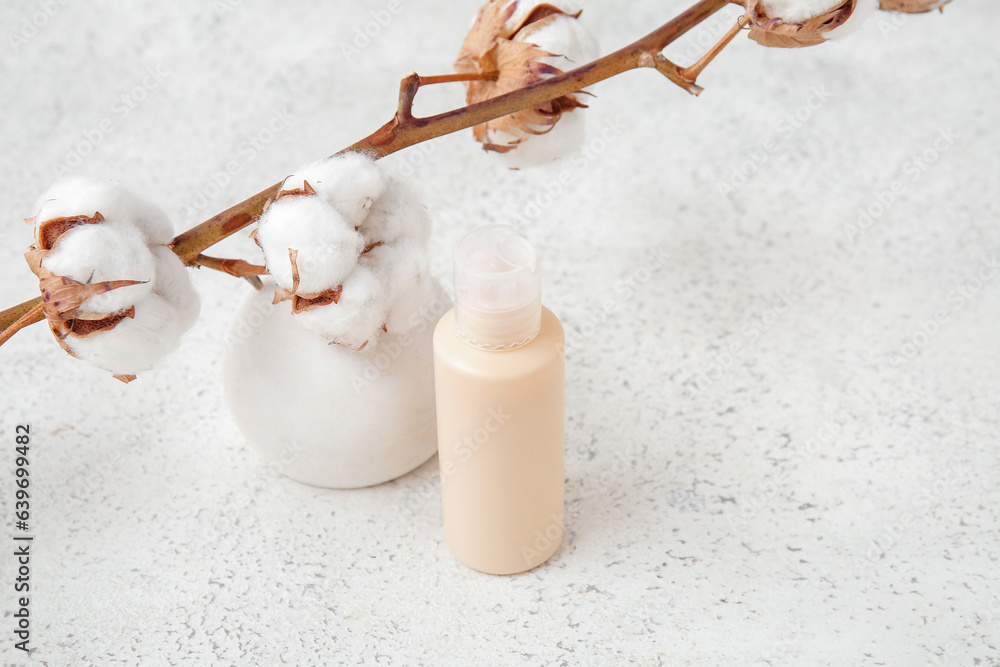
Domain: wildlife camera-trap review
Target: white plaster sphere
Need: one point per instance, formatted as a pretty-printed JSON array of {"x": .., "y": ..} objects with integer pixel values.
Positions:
[{"x": 325, "y": 414}]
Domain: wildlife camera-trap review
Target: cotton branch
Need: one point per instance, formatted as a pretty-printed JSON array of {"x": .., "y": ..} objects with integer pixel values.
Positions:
[{"x": 405, "y": 129}]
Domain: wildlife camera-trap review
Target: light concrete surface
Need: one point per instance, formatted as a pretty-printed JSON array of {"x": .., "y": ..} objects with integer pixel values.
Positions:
[{"x": 782, "y": 426}]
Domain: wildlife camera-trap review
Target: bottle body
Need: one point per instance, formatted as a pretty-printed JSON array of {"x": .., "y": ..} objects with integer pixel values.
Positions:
[{"x": 500, "y": 446}]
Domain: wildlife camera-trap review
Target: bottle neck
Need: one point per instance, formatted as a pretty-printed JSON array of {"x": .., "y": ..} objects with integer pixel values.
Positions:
[{"x": 498, "y": 329}]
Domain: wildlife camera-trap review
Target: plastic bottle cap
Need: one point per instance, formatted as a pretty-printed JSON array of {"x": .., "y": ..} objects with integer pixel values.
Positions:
[{"x": 498, "y": 288}]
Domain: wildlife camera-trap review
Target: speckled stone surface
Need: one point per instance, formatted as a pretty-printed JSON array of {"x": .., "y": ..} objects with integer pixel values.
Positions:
[{"x": 782, "y": 439}]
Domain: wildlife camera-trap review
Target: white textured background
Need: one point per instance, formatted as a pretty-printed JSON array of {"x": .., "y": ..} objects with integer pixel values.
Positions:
[{"x": 827, "y": 494}]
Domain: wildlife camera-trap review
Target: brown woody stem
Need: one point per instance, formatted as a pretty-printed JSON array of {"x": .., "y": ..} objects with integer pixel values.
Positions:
[
  {"x": 449, "y": 78},
  {"x": 12, "y": 322},
  {"x": 234, "y": 267},
  {"x": 405, "y": 129},
  {"x": 691, "y": 73}
]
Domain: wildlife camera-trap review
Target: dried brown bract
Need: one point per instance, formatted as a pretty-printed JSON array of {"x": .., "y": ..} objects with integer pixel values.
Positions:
[
  {"x": 774, "y": 31},
  {"x": 50, "y": 230},
  {"x": 62, "y": 296},
  {"x": 303, "y": 302}
]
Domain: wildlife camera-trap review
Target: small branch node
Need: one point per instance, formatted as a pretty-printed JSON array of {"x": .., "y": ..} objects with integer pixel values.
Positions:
[
  {"x": 667, "y": 68},
  {"x": 407, "y": 91},
  {"x": 647, "y": 59}
]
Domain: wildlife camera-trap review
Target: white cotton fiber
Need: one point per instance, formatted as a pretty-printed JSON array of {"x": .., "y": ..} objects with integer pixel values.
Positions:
[
  {"x": 565, "y": 138},
  {"x": 796, "y": 11},
  {"x": 357, "y": 317},
  {"x": 381, "y": 267},
  {"x": 78, "y": 195},
  {"x": 135, "y": 344},
  {"x": 404, "y": 266},
  {"x": 350, "y": 183},
  {"x": 98, "y": 253},
  {"x": 397, "y": 214},
  {"x": 525, "y": 7},
  {"x": 173, "y": 285},
  {"x": 563, "y": 36},
  {"x": 327, "y": 245}
]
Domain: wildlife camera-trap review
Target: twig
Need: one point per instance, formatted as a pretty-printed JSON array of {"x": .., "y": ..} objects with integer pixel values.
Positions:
[
  {"x": 32, "y": 315},
  {"x": 691, "y": 73},
  {"x": 405, "y": 129},
  {"x": 234, "y": 267},
  {"x": 13, "y": 314}
]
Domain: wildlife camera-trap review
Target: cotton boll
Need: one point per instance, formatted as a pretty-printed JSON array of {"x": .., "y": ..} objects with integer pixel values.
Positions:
[
  {"x": 135, "y": 344},
  {"x": 496, "y": 58},
  {"x": 862, "y": 12},
  {"x": 397, "y": 213},
  {"x": 365, "y": 269},
  {"x": 173, "y": 285},
  {"x": 327, "y": 245},
  {"x": 98, "y": 253},
  {"x": 78, "y": 195},
  {"x": 349, "y": 182},
  {"x": 571, "y": 45},
  {"x": 797, "y": 11},
  {"x": 359, "y": 314}
]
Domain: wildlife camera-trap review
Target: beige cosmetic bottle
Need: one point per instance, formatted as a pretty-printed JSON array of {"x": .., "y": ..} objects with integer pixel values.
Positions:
[{"x": 498, "y": 375}]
